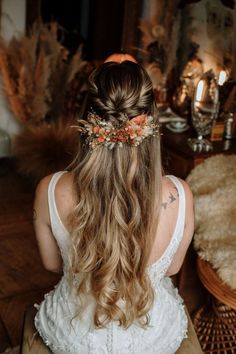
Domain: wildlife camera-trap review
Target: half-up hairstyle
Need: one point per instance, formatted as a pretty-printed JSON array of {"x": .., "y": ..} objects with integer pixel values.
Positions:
[{"x": 118, "y": 197}]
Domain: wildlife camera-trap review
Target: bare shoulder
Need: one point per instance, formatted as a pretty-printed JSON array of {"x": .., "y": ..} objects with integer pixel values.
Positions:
[
  {"x": 65, "y": 182},
  {"x": 170, "y": 192},
  {"x": 63, "y": 186},
  {"x": 64, "y": 192},
  {"x": 40, "y": 209},
  {"x": 188, "y": 198},
  {"x": 65, "y": 196},
  {"x": 187, "y": 190},
  {"x": 188, "y": 227},
  {"x": 42, "y": 188}
]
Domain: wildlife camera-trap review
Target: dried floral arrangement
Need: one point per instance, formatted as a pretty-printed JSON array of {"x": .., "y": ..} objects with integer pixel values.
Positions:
[
  {"x": 37, "y": 71},
  {"x": 129, "y": 132},
  {"x": 44, "y": 88},
  {"x": 44, "y": 149}
]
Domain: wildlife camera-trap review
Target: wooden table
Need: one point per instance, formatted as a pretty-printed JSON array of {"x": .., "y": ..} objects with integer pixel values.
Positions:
[{"x": 179, "y": 159}]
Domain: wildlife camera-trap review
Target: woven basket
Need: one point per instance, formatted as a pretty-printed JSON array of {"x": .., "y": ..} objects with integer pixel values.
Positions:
[
  {"x": 215, "y": 323},
  {"x": 216, "y": 328},
  {"x": 212, "y": 282}
]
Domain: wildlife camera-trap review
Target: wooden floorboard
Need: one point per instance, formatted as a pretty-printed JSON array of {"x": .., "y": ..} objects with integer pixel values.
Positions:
[{"x": 23, "y": 280}]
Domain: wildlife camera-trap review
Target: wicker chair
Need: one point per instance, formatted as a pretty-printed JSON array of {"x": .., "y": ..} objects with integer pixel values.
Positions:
[
  {"x": 213, "y": 183},
  {"x": 215, "y": 322}
]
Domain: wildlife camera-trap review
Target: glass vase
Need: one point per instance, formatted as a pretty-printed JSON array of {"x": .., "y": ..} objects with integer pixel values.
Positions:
[{"x": 204, "y": 110}]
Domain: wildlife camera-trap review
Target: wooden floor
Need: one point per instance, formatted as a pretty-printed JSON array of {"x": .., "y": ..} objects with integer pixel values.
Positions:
[{"x": 23, "y": 281}]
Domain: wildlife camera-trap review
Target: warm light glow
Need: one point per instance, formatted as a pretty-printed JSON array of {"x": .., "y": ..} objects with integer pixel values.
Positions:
[
  {"x": 222, "y": 77},
  {"x": 199, "y": 90},
  {"x": 120, "y": 57}
]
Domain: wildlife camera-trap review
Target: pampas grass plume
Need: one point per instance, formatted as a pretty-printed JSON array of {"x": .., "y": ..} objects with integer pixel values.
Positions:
[{"x": 45, "y": 149}]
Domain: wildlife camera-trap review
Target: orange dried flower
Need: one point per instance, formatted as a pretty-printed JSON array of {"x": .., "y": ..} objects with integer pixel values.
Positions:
[{"x": 132, "y": 132}]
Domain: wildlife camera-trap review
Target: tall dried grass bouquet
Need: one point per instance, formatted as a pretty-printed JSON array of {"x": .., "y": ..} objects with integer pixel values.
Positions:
[
  {"x": 37, "y": 70},
  {"x": 43, "y": 84}
]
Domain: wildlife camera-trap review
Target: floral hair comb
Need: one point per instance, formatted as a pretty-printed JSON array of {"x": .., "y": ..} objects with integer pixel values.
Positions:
[{"x": 132, "y": 131}]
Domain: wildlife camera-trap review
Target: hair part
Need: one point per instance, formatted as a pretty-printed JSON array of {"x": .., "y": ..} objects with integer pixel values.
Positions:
[{"x": 118, "y": 192}]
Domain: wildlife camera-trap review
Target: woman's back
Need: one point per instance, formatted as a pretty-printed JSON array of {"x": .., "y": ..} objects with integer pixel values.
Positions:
[
  {"x": 116, "y": 227},
  {"x": 168, "y": 319},
  {"x": 66, "y": 201}
]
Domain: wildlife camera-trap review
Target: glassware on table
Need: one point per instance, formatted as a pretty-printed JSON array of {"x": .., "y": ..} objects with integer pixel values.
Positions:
[{"x": 204, "y": 110}]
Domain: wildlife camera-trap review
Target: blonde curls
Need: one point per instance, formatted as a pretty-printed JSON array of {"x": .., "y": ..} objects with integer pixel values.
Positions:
[{"x": 115, "y": 220}]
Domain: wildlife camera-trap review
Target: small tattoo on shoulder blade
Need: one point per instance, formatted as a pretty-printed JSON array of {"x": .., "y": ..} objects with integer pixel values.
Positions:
[
  {"x": 176, "y": 190},
  {"x": 164, "y": 205},
  {"x": 172, "y": 198}
]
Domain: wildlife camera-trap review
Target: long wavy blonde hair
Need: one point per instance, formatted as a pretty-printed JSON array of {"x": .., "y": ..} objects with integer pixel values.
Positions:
[{"x": 118, "y": 193}]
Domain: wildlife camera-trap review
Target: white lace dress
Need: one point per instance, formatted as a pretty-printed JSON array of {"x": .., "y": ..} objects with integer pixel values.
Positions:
[{"x": 65, "y": 334}]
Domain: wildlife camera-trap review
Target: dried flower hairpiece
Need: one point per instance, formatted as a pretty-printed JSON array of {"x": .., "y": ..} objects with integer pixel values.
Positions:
[{"x": 132, "y": 131}]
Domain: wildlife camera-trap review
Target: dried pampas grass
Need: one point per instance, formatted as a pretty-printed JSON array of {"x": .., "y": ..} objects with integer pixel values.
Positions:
[
  {"x": 44, "y": 87},
  {"x": 45, "y": 149},
  {"x": 214, "y": 187},
  {"x": 37, "y": 72}
]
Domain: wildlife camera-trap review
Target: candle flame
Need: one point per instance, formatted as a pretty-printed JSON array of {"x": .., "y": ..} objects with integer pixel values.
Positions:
[
  {"x": 222, "y": 77},
  {"x": 199, "y": 90}
]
